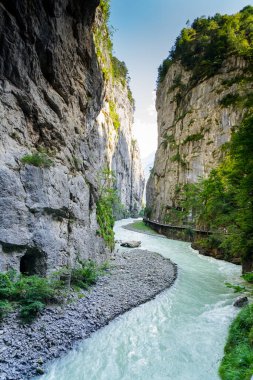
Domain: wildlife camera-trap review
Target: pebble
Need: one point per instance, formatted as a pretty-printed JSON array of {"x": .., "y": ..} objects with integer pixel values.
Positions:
[{"x": 51, "y": 335}]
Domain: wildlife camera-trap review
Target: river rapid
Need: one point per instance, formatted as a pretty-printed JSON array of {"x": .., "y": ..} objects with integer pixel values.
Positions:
[{"x": 180, "y": 335}]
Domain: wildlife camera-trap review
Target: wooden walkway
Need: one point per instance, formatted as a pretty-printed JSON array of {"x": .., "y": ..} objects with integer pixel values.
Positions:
[
  {"x": 176, "y": 228},
  {"x": 185, "y": 233}
]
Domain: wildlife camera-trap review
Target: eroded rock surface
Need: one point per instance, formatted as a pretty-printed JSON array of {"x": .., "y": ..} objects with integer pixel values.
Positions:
[
  {"x": 51, "y": 94},
  {"x": 192, "y": 127}
]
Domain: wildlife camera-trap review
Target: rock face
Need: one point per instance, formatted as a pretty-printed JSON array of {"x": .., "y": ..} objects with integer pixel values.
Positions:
[
  {"x": 121, "y": 150},
  {"x": 131, "y": 244},
  {"x": 241, "y": 302},
  {"x": 192, "y": 127},
  {"x": 51, "y": 95},
  {"x": 117, "y": 143}
]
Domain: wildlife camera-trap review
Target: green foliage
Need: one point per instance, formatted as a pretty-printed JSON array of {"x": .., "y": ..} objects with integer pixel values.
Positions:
[
  {"x": 177, "y": 158},
  {"x": 224, "y": 201},
  {"x": 33, "y": 288},
  {"x": 120, "y": 74},
  {"x": 194, "y": 137},
  {"x": 37, "y": 159},
  {"x": 237, "y": 288},
  {"x": 31, "y": 309},
  {"x": 120, "y": 71},
  {"x": 105, "y": 7},
  {"x": 204, "y": 46},
  {"x": 112, "y": 68},
  {"x": 147, "y": 212},
  {"x": 87, "y": 274},
  {"x": 103, "y": 41},
  {"x": 237, "y": 100},
  {"x": 32, "y": 293},
  {"x": 229, "y": 100},
  {"x": 6, "y": 286},
  {"x": 168, "y": 140},
  {"x": 131, "y": 98},
  {"x": 248, "y": 277},
  {"x": 5, "y": 308},
  {"x": 114, "y": 115},
  {"x": 239, "y": 79},
  {"x": 237, "y": 362},
  {"x": 163, "y": 69},
  {"x": 105, "y": 204},
  {"x": 177, "y": 82},
  {"x": 174, "y": 216}
]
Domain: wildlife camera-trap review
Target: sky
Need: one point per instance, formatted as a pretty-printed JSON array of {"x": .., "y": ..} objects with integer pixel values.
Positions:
[{"x": 144, "y": 32}]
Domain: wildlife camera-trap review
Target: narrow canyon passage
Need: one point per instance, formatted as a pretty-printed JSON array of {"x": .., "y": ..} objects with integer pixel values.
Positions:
[{"x": 179, "y": 335}]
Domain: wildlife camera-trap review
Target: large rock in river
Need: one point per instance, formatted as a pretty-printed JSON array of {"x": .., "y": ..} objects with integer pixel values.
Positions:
[{"x": 131, "y": 244}]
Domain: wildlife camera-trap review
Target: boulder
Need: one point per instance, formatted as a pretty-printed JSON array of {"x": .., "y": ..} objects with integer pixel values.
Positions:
[
  {"x": 131, "y": 244},
  {"x": 241, "y": 301}
]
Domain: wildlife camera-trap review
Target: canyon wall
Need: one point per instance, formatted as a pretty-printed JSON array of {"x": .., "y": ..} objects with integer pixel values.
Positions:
[
  {"x": 194, "y": 122},
  {"x": 57, "y": 136}
]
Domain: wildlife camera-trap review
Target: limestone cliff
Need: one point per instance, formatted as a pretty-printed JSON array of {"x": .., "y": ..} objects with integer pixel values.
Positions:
[
  {"x": 115, "y": 124},
  {"x": 52, "y": 101},
  {"x": 193, "y": 125}
]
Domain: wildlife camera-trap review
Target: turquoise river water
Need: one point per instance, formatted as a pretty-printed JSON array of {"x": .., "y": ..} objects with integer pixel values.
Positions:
[{"x": 178, "y": 336}]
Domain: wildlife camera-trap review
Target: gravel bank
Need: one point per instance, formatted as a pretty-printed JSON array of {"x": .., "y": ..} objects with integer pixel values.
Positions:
[{"x": 136, "y": 277}]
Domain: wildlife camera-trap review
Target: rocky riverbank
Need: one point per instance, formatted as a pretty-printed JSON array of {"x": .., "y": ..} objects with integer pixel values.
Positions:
[{"x": 136, "y": 276}]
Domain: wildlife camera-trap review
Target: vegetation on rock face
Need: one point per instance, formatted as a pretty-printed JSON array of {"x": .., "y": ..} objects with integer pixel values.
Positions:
[
  {"x": 37, "y": 159},
  {"x": 177, "y": 158},
  {"x": 238, "y": 360},
  {"x": 224, "y": 201},
  {"x": 114, "y": 115},
  {"x": 204, "y": 46},
  {"x": 105, "y": 205},
  {"x": 194, "y": 137},
  {"x": 112, "y": 68},
  {"x": 168, "y": 140}
]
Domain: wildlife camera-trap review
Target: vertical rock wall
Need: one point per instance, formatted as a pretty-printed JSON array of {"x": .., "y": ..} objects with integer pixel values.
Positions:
[
  {"x": 117, "y": 142},
  {"x": 192, "y": 127},
  {"x": 51, "y": 93}
]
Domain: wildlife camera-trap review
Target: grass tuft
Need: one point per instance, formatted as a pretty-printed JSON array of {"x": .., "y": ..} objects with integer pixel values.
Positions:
[
  {"x": 237, "y": 363},
  {"x": 37, "y": 159}
]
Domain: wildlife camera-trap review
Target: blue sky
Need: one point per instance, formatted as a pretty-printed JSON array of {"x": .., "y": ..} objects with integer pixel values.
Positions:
[{"x": 145, "y": 31}]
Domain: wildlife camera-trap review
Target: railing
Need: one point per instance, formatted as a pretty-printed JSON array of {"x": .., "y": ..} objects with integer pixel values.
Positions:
[
  {"x": 177, "y": 228},
  {"x": 185, "y": 233}
]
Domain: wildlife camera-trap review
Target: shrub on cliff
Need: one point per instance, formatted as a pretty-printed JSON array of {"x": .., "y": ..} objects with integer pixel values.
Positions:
[
  {"x": 37, "y": 159},
  {"x": 204, "y": 46},
  {"x": 105, "y": 205},
  {"x": 224, "y": 201},
  {"x": 114, "y": 115}
]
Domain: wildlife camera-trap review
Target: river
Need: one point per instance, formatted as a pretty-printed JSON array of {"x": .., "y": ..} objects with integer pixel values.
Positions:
[{"x": 178, "y": 336}]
